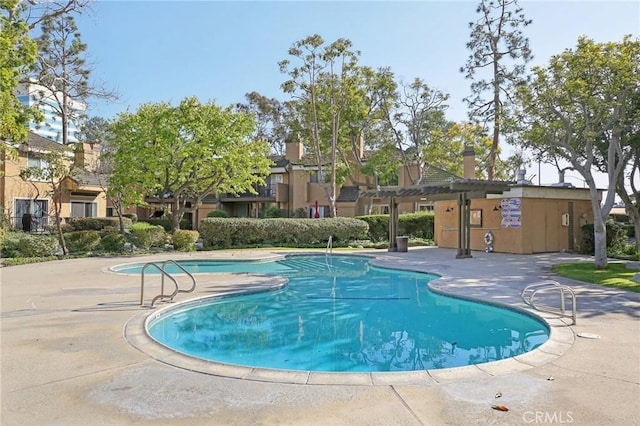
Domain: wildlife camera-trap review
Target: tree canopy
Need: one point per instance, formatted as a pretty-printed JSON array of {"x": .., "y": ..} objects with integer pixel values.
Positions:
[
  {"x": 581, "y": 107},
  {"x": 496, "y": 65},
  {"x": 17, "y": 54},
  {"x": 183, "y": 153}
]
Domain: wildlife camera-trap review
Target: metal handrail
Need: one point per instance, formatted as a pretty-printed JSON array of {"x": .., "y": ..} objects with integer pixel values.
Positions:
[
  {"x": 549, "y": 286},
  {"x": 161, "y": 295},
  {"x": 182, "y": 268},
  {"x": 329, "y": 249}
]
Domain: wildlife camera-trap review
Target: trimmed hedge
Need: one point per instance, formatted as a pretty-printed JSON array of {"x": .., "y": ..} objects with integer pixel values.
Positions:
[
  {"x": 414, "y": 225},
  {"x": 97, "y": 223},
  {"x": 113, "y": 242},
  {"x": 82, "y": 241},
  {"x": 616, "y": 236},
  {"x": 19, "y": 244},
  {"x": 184, "y": 239},
  {"x": 218, "y": 213},
  {"x": 223, "y": 233},
  {"x": 146, "y": 235},
  {"x": 165, "y": 223}
]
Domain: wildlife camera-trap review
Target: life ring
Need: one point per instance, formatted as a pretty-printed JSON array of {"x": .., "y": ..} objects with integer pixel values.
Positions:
[{"x": 488, "y": 238}]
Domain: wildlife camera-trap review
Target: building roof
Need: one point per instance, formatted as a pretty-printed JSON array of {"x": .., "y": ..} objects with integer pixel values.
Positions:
[
  {"x": 433, "y": 174},
  {"x": 37, "y": 142},
  {"x": 348, "y": 194},
  {"x": 87, "y": 178},
  {"x": 279, "y": 160},
  {"x": 440, "y": 191}
]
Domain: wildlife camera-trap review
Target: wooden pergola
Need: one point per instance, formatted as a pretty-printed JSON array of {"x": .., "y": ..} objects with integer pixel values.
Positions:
[{"x": 462, "y": 190}]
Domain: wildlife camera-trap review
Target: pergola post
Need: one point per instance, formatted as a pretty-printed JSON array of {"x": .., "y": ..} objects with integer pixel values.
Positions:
[
  {"x": 464, "y": 226},
  {"x": 393, "y": 225}
]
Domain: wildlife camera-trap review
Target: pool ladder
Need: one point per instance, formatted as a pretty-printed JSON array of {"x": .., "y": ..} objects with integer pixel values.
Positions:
[
  {"x": 162, "y": 269},
  {"x": 329, "y": 249},
  {"x": 529, "y": 292}
]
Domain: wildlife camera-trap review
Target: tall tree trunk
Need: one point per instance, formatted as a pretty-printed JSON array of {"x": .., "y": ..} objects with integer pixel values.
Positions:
[
  {"x": 599, "y": 231},
  {"x": 497, "y": 116},
  {"x": 57, "y": 208},
  {"x": 635, "y": 218}
]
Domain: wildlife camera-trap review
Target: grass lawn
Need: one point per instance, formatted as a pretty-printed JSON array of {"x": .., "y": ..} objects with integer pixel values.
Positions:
[{"x": 616, "y": 275}]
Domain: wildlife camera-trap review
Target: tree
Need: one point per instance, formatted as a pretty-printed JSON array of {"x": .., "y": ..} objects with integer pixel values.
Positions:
[
  {"x": 448, "y": 142},
  {"x": 580, "y": 105},
  {"x": 17, "y": 54},
  {"x": 184, "y": 153},
  {"x": 270, "y": 116},
  {"x": 97, "y": 130},
  {"x": 499, "y": 51},
  {"x": 626, "y": 186},
  {"x": 41, "y": 10},
  {"x": 56, "y": 171},
  {"x": 417, "y": 121},
  {"x": 62, "y": 73},
  {"x": 321, "y": 86},
  {"x": 60, "y": 70}
]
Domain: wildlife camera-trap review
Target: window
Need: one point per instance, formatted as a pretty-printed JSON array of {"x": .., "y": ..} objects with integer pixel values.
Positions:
[
  {"x": 380, "y": 209},
  {"x": 110, "y": 212},
  {"x": 476, "y": 218},
  {"x": 276, "y": 179},
  {"x": 38, "y": 209},
  {"x": 82, "y": 209},
  {"x": 425, "y": 207},
  {"x": 323, "y": 211},
  {"x": 37, "y": 161},
  {"x": 317, "y": 177}
]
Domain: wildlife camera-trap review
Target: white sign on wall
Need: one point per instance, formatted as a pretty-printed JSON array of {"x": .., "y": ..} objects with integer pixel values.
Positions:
[{"x": 511, "y": 212}]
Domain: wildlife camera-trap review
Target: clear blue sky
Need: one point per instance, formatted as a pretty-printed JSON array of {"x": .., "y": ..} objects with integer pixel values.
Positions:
[{"x": 155, "y": 51}]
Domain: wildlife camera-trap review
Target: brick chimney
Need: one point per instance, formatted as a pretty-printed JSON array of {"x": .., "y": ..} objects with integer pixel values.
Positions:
[{"x": 469, "y": 162}]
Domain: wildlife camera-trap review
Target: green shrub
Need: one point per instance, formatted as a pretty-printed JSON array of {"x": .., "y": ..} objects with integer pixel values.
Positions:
[
  {"x": 217, "y": 232},
  {"x": 300, "y": 213},
  {"x": 184, "y": 239},
  {"x": 4, "y": 223},
  {"x": 378, "y": 226},
  {"x": 218, "y": 213},
  {"x": 132, "y": 216},
  {"x": 629, "y": 229},
  {"x": 164, "y": 222},
  {"x": 414, "y": 225},
  {"x": 82, "y": 241},
  {"x": 113, "y": 242},
  {"x": 273, "y": 212},
  {"x": 616, "y": 236},
  {"x": 19, "y": 244},
  {"x": 96, "y": 223},
  {"x": 146, "y": 235}
]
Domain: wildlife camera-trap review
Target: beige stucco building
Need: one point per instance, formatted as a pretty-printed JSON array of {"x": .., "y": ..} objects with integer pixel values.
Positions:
[
  {"x": 81, "y": 196},
  {"x": 520, "y": 218},
  {"x": 525, "y": 219}
]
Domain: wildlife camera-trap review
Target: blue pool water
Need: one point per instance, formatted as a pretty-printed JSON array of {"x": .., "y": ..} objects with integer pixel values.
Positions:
[{"x": 338, "y": 313}]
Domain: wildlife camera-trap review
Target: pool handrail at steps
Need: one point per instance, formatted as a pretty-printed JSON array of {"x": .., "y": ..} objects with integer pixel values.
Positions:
[
  {"x": 529, "y": 292},
  {"x": 164, "y": 273},
  {"x": 329, "y": 249}
]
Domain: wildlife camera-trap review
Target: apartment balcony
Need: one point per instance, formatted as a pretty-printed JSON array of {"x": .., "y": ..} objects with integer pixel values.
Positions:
[{"x": 271, "y": 193}]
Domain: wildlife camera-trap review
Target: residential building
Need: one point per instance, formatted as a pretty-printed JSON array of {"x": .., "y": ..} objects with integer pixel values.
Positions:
[
  {"x": 82, "y": 195},
  {"x": 299, "y": 189},
  {"x": 34, "y": 95}
]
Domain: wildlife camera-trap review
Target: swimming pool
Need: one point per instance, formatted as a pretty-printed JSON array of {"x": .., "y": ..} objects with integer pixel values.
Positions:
[{"x": 339, "y": 313}]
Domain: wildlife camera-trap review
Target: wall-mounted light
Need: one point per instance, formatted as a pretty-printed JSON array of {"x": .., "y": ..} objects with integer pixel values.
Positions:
[
  {"x": 449, "y": 209},
  {"x": 497, "y": 208}
]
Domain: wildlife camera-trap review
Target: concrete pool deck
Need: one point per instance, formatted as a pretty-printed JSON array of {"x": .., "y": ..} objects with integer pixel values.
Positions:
[{"x": 73, "y": 354}]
